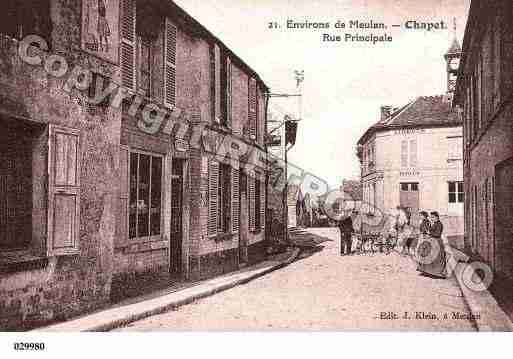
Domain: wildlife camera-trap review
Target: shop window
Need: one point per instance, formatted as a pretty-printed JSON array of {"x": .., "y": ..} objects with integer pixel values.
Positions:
[{"x": 145, "y": 198}]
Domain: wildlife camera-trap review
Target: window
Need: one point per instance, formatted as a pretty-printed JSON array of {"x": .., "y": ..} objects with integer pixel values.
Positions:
[
  {"x": 455, "y": 147},
  {"x": 145, "y": 198},
  {"x": 404, "y": 153},
  {"x": 39, "y": 188},
  {"x": 15, "y": 186},
  {"x": 99, "y": 84},
  {"x": 456, "y": 192},
  {"x": 20, "y": 18},
  {"x": 409, "y": 187},
  {"x": 145, "y": 66},
  {"x": 224, "y": 198},
  {"x": 226, "y": 90}
]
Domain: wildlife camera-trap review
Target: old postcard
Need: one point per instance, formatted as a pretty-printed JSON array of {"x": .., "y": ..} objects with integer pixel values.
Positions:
[{"x": 243, "y": 165}]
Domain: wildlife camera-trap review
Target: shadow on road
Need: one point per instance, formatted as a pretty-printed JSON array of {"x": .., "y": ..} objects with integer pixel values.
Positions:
[{"x": 308, "y": 242}]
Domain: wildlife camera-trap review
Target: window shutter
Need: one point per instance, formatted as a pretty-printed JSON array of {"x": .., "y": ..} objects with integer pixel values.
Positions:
[
  {"x": 235, "y": 200},
  {"x": 170, "y": 64},
  {"x": 262, "y": 203},
  {"x": 217, "y": 83},
  {"x": 213, "y": 186},
  {"x": 252, "y": 108},
  {"x": 122, "y": 221},
  {"x": 128, "y": 44},
  {"x": 63, "y": 191},
  {"x": 252, "y": 207},
  {"x": 229, "y": 91}
]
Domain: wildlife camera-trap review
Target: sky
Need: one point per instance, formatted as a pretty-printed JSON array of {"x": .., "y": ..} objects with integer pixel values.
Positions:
[{"x": 345, "y": 82}]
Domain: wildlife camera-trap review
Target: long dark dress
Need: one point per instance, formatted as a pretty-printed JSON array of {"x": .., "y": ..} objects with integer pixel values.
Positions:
[{"x": 435, "y": 267}]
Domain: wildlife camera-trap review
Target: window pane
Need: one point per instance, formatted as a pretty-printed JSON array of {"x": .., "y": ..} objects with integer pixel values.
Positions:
[
  {"x": 452, "y": 198},
  {"x": 144, "y": 195},
  {"x": 460, "y": 187},
  {"x": 415, "y": 187},
  {"x": 404, "y": 186},
  {"x": 133, "y": 196},
  {"x": 452, "y": 187},
  {"x": 156, "y": 194},
  {"x": 461, "y": 198}
]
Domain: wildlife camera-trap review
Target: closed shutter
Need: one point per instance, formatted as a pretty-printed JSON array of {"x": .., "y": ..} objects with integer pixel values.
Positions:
[
  {"x": 252, "y": 119},
  {"x": 122, "y": 214},
  {"x": 228, "y": 92},
  {"x": 262, "y": 204},
  {"x": 217, "y": 83},
  {"x": 235, "y": 200},
  {"x": 128, "y": 44},
  {"x": 252, "y": 207},
  {"x": 170, "y": 64},
  {"x": 63, "y": 191},
  {"x": 213, "y": 186}
]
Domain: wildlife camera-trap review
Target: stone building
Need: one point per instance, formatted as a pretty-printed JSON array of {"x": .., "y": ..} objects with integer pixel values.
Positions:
[
  {"x": 127, "y": 154},
  {"x": 412, "y": 157},
  {"x": 483, "y": 94}
]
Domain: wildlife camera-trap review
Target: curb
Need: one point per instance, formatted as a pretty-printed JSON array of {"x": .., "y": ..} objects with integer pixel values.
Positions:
[
  {"x": 487, "y": 314},
  {"x": 117, "y": 317}
]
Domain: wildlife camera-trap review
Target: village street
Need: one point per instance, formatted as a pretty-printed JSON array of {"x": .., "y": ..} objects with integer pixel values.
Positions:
[{"x": 324, "y": 291}]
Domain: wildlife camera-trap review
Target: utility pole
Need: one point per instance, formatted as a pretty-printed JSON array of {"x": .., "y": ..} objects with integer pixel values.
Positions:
[{"x": 299, "y": 77}]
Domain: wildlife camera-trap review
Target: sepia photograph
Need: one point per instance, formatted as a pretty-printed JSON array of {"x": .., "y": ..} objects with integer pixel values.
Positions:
[{"x": 268, "y": 167}]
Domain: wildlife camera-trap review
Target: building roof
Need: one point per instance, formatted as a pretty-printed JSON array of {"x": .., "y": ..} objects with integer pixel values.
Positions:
[
  {"x": 171, "y": 7},
  {"x": 424, "y": 111}
]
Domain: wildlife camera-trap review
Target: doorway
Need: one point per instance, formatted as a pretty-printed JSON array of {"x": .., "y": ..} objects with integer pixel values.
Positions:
[
  {"x": 409, "y": 196},
  {"x": 176, "y": 237}
]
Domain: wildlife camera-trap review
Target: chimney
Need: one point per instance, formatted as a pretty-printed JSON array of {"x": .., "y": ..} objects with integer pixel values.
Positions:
[{"x": 386, "y": 111}]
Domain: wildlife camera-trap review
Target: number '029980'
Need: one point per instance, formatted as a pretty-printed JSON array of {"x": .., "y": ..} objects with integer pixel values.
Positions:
[{"x": 29, "y": 346}]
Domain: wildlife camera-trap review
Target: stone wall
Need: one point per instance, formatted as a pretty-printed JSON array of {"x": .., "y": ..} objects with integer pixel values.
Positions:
[{"x": 38, "y": 290}]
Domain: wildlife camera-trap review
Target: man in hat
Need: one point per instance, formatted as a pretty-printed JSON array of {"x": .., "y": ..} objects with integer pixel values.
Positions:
[{"x": 346, "y": 231}]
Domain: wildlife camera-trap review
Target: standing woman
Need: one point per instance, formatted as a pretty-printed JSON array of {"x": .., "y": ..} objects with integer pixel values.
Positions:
[{"x": 431, "y": 251}]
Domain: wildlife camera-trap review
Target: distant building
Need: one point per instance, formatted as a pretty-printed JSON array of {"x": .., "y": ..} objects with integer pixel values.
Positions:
[
  {"x": 412, "y": 157},
  {"x": 483, "y": 93}
]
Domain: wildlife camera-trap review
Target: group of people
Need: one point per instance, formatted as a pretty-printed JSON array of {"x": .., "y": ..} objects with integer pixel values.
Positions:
[
  {"x": 425, "y": 242},
  {"x": 429, "y": 250}
]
